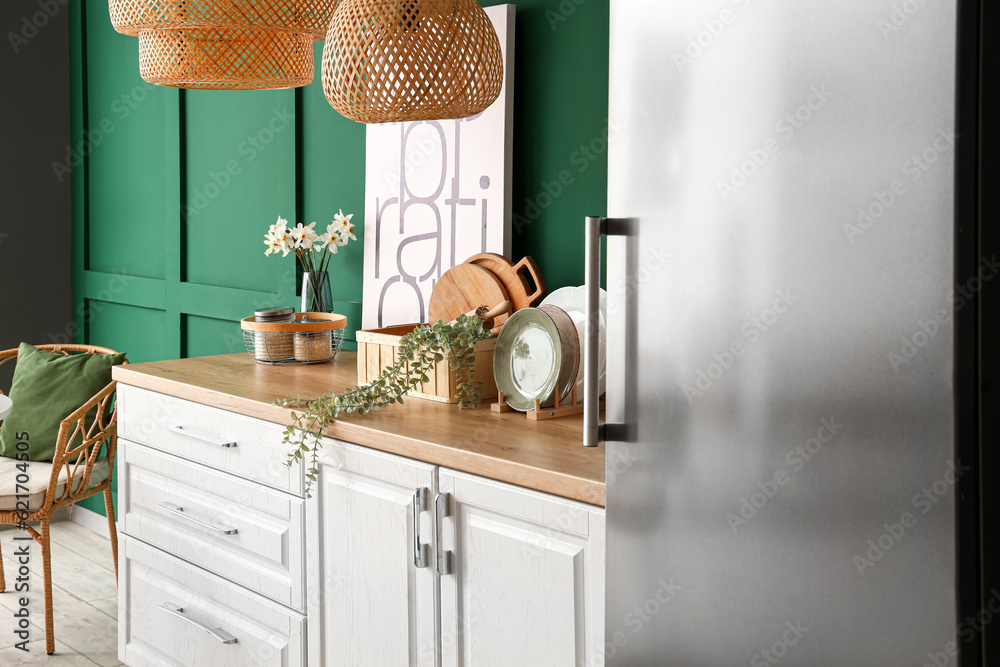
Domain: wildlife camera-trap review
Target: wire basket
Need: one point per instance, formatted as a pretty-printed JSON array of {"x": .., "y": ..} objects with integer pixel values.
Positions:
[{"x": 276, "y": 343}]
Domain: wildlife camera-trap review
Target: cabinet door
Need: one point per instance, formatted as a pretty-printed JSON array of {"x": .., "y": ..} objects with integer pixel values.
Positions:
[
  {"x": 526, "y": 585},
  {"x": 371, "y": 603}
]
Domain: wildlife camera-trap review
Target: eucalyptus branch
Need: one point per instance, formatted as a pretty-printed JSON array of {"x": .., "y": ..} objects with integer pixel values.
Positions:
[{"x": 419, "y": 351}]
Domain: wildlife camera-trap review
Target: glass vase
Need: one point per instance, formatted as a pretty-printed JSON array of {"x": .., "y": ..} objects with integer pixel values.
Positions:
[{"x": 316, "y": 295}]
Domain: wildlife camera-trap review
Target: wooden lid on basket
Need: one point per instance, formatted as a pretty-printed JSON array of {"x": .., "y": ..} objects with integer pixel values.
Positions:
[{"x": 318, "y": 322}]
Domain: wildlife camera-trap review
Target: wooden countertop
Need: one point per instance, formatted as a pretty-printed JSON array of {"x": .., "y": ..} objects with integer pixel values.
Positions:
[{"x": 543, "y": 455}]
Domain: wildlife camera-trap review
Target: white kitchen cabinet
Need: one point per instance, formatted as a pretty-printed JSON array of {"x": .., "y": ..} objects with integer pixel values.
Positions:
[
  {"x": 525, "y": 584},
  {"x": 373, "y": 601},
  {"x": 392, "y": 562}
]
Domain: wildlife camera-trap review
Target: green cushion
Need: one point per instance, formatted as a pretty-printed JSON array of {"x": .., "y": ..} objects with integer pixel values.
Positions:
[{"x": 47, "y": 388}]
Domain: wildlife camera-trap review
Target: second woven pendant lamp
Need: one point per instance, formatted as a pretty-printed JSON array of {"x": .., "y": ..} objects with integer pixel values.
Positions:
[
  {"x": 401, "y": 60},
  {"x": 224, "y": 44}
]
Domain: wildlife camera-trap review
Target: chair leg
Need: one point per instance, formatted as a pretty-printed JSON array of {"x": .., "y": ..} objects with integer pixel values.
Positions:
[
  {"x": 110, "y": 507},
  {"x": 3, "y": 582},
  {"x": 43, "y": 532}
]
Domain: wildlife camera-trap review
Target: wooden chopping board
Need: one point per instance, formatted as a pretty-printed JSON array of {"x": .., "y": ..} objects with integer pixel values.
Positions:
[
  {"x": 514, "y": 278},
  {"x": 463, "y": 288}
]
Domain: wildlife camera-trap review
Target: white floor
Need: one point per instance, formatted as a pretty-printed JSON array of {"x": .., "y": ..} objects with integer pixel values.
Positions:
[{"x": 84, "y": 600}]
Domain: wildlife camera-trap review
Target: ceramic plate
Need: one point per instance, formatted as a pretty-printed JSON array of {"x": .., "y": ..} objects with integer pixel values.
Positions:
[
  {"x": 569, "y": 369},
  {"x": 527, "y": 358},
  {"x": 574, "y": 301}
]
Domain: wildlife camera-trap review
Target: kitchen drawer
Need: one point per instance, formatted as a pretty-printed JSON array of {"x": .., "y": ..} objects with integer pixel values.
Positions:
[
  {"x": 243, "y": 531},
  {"x": 237, "y": 444},
  {"x": 207, "y": 612}
]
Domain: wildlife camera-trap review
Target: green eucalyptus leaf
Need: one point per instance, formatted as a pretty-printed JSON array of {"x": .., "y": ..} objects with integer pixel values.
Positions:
[{"x": 418, "y": 352}]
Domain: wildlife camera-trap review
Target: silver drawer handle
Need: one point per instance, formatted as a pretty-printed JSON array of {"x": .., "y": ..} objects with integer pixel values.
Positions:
[
  {"x": 421, "y": 551},
  {"x": 177, "y": 428},
  {"x": 177, "y": 510},
  {"x": 217, "y": 633},
  {"x": 442, "y": 511}
]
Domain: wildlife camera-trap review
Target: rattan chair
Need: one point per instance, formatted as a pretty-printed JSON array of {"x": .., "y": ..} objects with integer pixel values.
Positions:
[{"x": 77, "y": 459}]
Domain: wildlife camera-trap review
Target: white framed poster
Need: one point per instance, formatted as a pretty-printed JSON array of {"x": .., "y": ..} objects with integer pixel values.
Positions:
[{"x": 436, "y": 192}]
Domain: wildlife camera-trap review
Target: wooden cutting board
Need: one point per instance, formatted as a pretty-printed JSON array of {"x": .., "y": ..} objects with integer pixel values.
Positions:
[
  {"x": 463, "y": 288},
  {"x": 514, "y": 278}
]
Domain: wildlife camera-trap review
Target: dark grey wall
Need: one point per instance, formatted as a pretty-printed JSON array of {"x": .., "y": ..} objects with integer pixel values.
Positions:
[{"x": 35, "y": 212}]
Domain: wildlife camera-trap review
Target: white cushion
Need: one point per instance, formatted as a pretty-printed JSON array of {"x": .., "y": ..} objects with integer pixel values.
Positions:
[{"x": 39, "y": 475}]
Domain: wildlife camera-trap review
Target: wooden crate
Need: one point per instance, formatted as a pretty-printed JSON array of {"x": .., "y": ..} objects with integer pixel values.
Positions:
[{"x": 378, "y": 348}]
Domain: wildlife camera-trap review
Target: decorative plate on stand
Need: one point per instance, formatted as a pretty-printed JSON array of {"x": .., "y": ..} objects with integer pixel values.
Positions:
[
  {"x": 574, "y": 301},
  {"x": 537, "y": 354}
]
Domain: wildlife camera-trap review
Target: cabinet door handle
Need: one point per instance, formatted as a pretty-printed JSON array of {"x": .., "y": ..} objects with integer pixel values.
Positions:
[
  {"x": 177, "y": 510},
  {"x": 177, "y": 428},
  {"x": 421, "y": 551},
  {"x": 217, "y": 633},
  {"x": 442, "y": 510}
]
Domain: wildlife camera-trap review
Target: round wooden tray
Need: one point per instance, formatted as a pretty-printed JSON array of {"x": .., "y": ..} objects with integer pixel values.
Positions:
[{"x": 333, "y": 322}]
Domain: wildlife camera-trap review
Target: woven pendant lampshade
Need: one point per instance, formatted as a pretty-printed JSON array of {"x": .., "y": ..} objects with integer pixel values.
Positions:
[
  {"x": 224, "y": 44},
  {"x": 399, "y": 60}
]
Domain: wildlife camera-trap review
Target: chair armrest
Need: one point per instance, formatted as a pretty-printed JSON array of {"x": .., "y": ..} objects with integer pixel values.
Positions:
[
  {"x": 100, "y": 399},
  {"x": 79, "y": 443}
]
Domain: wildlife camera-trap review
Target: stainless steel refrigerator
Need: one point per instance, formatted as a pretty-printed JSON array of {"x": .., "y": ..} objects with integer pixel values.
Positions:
[{"x": 787, "y": 288}]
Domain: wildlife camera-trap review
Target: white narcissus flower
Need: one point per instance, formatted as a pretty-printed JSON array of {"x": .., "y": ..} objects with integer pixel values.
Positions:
[
  {"x": 326, "y": 239},
  {"x": 342, "y": 221},
  {"x": 348, "y": 231},
  {"x": 280, "y": 226},
  {"x": 285, "y": 244},
  {"x": 311, "y": 232},
  {"x": 277, "y": 238},
  {"x": 304, "y": 235},
  {"x": 345, "y": 228}
]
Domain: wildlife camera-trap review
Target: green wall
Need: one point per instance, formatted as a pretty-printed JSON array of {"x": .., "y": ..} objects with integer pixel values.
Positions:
[{"x": 173, "y": 190}]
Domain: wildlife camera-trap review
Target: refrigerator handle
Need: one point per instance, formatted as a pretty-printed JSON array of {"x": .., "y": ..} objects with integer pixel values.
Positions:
[{"x": 594, "y": 432}]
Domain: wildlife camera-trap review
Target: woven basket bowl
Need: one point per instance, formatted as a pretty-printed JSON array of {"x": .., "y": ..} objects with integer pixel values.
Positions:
[
  {"x": 400, "y": 60},
  {"x": 311, "y": 17},
  {"x": 224, "y": 59}
]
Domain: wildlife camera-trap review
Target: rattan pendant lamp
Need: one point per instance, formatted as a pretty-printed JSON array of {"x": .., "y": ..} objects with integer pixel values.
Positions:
[
  {"x": 224, "y": 44},
  {"x": 399, "y": 60}
]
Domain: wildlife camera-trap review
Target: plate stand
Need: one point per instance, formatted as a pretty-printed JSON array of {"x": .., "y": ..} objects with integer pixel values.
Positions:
[
  {"x": 539, "y": 413},
  {"x": 501, "y": 405}
]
